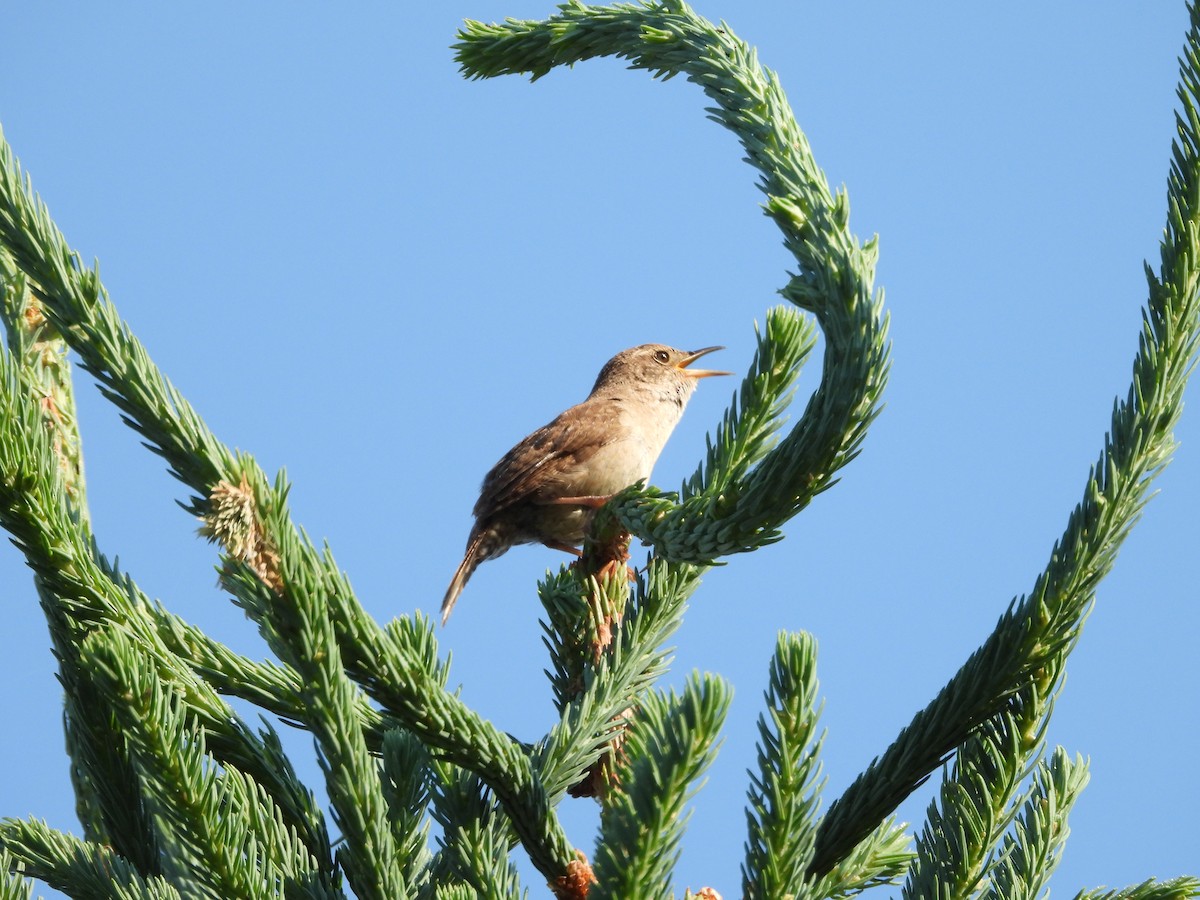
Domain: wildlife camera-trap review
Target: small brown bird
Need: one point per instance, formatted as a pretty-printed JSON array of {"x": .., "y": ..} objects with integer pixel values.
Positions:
[{"x": 546, "y": 488}]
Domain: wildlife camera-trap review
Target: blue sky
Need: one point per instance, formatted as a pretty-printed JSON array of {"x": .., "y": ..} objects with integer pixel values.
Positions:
[{"x": 360, "y": 266}]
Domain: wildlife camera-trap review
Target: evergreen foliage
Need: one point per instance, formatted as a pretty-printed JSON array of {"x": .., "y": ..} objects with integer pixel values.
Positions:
[{"x": 179, "y": 797}]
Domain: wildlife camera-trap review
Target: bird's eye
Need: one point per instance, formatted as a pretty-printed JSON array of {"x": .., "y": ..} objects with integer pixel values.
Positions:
[{"x": 662, "y": 355}]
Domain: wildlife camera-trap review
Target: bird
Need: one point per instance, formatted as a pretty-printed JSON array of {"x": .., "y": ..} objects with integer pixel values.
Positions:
[{"x": 546, "y": 488}]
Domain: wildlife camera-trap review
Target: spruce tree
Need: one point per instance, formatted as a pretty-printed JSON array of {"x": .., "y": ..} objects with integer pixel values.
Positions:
[{"x": 179, "y": 796}]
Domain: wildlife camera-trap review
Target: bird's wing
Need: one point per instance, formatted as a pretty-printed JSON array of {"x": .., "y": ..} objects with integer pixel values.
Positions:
[{"x": 538, "y": 465}]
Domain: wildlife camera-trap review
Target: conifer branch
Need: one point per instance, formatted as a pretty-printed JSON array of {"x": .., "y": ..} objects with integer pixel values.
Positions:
[
  {"x": 78, "y": 306},
  {"x": 80, "y": 869},
  {"x": 12, "y": 885},
  {"x": 750, "y": 426},
  {"x": 215, "y": 833},
  {"x": 1032, "y": 849},
  {"x": 1151, "y": 889},
  {"x": 475, "y": 840},
  {"x": 83, "y": 593},
  {"x": 627, "y": 668},
  {"x": 881, "y": 858},
  {"x": 786, "y": 790},
  {"x": 672, "y": 742},
  {"x": 978, "y": 799},
  {"x": 268, "y": 685},
  {"x": 406, "y": 788},
  {"x": 834, "y": 281},
  {"x": 41, "y": 357},
  {"x": 1027, "y": 650},
  {"x": 43, "y": 373},
  {"x": 785, "y": 794},
  {"x": 299, "y": 629}
]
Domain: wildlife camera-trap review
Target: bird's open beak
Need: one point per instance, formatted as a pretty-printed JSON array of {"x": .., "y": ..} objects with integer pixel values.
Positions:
[{"x": 699, "y": 373}]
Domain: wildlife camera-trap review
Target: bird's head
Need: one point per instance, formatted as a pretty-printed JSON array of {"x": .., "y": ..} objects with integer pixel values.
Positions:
[{"x": 652, "y": 365}]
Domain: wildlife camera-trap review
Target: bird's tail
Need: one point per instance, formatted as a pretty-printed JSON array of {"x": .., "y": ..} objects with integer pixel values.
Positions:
[{"x": 479, "y": 547}]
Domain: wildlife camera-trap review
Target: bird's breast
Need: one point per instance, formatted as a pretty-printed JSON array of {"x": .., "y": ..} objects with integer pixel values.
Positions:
[{"x": 644, "y": 429}]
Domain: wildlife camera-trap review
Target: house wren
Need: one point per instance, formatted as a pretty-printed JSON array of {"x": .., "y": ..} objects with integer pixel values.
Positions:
[{"x": 547, "y": 487}]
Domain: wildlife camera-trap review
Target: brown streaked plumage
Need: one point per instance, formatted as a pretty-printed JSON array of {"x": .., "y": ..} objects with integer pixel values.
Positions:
[{"x": 546, "y": 487}]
